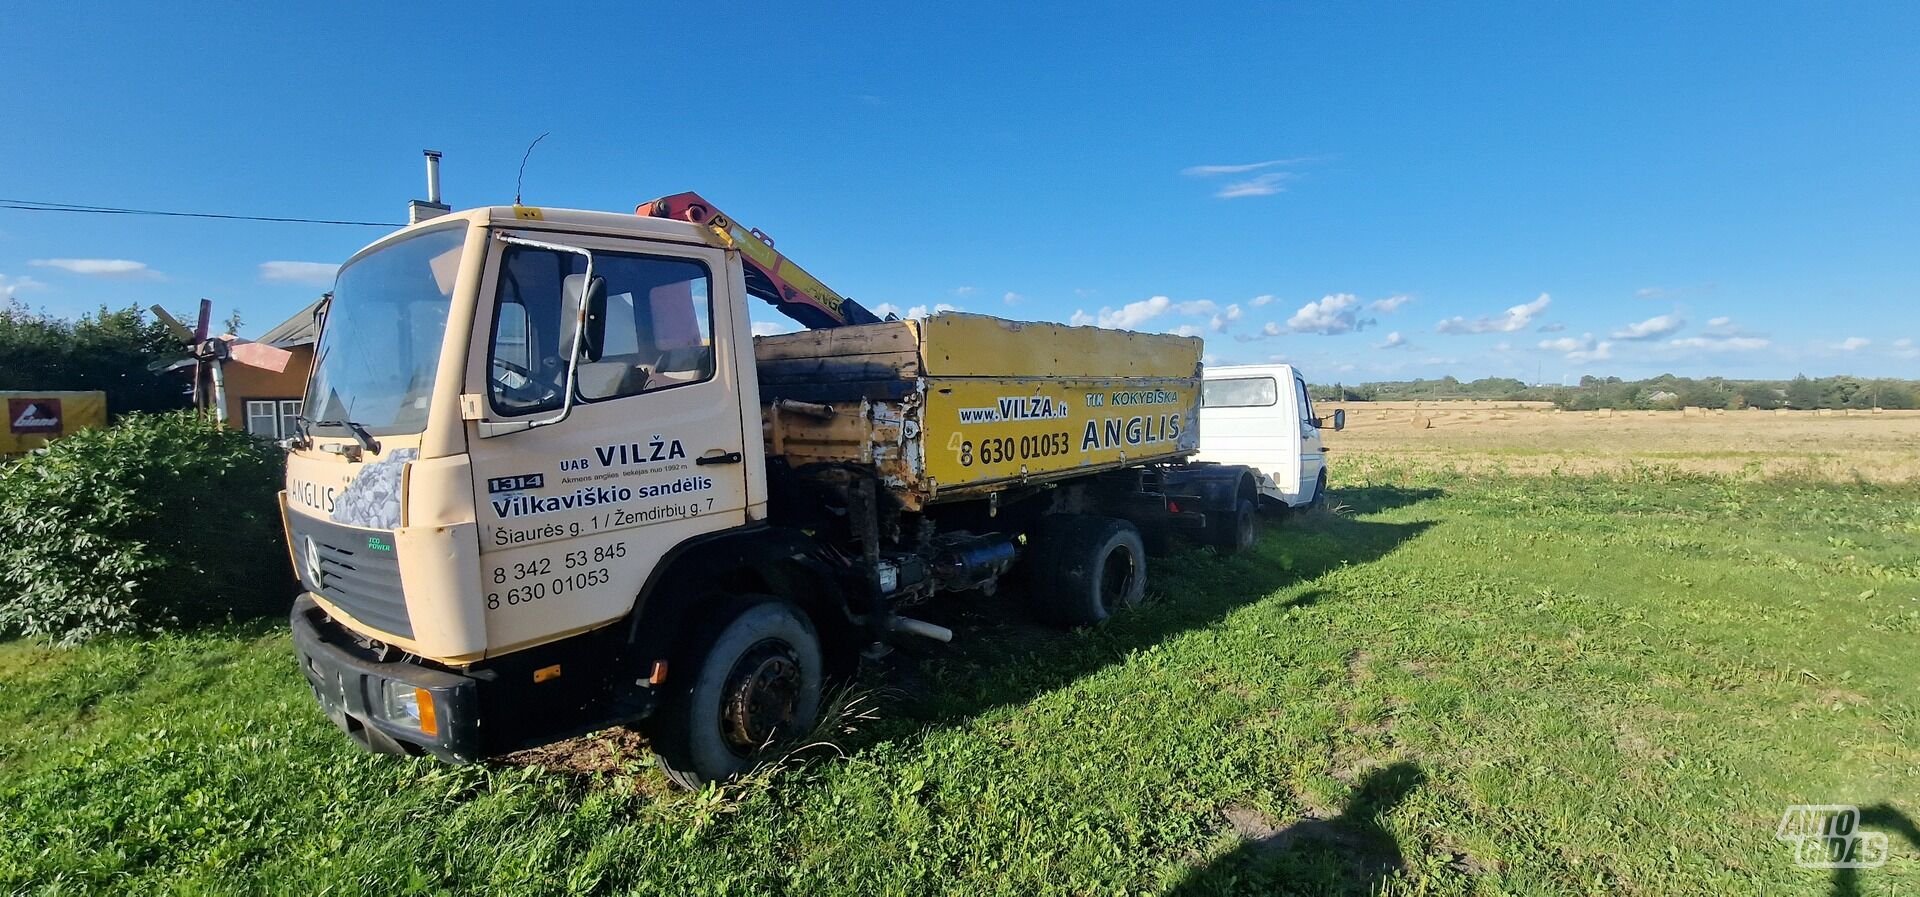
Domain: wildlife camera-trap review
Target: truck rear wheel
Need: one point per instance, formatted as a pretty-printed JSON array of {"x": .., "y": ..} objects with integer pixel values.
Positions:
[
  {"x": 1087, "y": 568},
  {"x": 756, "y": 683}
]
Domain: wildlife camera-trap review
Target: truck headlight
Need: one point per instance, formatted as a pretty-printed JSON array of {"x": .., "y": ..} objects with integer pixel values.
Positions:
[{"x": 413, "y": 706}]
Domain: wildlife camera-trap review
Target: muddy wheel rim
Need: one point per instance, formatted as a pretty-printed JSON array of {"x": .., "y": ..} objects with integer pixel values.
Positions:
[{"x": 759, "y": 695}]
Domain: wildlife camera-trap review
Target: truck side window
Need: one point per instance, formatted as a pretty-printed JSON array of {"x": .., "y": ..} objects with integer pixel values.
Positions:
[
  {"x": 1306, "y": 403},
  {"x": 658, "y": 328}
]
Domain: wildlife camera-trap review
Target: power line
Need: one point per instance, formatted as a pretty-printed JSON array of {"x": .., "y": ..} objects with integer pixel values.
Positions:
[{"x": 30, "y": 205}]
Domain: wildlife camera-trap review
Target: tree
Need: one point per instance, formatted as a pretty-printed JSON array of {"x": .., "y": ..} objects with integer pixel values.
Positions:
[
  {"x": 109, "y": 349},
  {"x": 1803, "y": 393}
]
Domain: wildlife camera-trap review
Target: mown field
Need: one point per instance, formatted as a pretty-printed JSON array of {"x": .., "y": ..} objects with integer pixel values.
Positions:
[{"x": 1478, "y": 683}]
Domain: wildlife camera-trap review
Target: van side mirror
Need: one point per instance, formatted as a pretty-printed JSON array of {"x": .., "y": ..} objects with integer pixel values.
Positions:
[{"x": 1339, "y": 418}]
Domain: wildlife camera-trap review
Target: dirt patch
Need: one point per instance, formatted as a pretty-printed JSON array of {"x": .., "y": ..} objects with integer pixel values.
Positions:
[
  {"x": 607, "y": 752},
  {"x": 1249, "y": 823}
]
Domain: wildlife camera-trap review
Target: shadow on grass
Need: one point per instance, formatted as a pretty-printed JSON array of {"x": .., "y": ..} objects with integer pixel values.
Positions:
[
  {"x": 1351, "y": 853},
  {"x": 1001, "y": 656},
  {"x": 1879, "y": 817}
]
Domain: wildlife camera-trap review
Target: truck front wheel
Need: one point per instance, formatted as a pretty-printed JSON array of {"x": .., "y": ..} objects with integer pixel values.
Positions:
[
  {"x": 1087, "y": 568},
  {"x": 756, "y": 684}
]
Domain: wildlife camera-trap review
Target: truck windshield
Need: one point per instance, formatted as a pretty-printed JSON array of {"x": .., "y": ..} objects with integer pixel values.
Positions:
[{"x": 374, "y": 367}]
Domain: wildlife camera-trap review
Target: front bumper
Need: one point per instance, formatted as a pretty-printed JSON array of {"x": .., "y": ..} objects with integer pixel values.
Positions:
[{"x": 351, "y": 688}]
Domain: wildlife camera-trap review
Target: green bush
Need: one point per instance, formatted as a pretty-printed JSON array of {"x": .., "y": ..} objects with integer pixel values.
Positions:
[{"x": 160, "y": 521}]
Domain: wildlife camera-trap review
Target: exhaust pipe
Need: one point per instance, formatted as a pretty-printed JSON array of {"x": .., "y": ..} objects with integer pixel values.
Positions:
[{"x": 921, "y": 628}]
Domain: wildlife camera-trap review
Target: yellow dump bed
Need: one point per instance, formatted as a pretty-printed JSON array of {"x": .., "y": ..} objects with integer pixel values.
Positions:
[{"x": 958, "y": 405}]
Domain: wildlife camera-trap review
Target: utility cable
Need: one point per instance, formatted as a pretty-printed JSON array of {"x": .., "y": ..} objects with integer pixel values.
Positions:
[{"x": 30, "y": 205}]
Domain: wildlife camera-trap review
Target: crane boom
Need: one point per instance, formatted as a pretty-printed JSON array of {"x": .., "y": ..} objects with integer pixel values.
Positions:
[{"x": 770, "y": 276}]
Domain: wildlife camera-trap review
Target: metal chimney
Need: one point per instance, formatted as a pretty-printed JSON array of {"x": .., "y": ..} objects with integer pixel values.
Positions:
[{"x": 418, "y": 211}]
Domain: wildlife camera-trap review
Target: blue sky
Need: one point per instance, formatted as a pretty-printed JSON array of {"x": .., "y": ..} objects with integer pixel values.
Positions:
[{"x": 1529, "y": 190}]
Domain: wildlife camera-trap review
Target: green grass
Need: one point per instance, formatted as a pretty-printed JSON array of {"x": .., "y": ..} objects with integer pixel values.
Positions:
[{"x": 1492, "y": 685}]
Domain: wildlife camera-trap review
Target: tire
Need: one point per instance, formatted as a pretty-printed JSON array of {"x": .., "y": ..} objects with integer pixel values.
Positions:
[
  {"x": 1238, "y": 531},
  {"x": 753, "y": 682},
  {"x": 1319, "y": 493},
  {"x": 1087, "y": 568}
]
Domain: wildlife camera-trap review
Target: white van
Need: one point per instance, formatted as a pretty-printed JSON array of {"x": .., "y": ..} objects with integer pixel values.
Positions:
[{"x": 1260, "y": 415}]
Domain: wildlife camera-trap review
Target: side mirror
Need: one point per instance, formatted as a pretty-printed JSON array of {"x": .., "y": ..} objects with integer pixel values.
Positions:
[
  {"x": 1339, "y": 418},
  {"x": 593, "y": 333}
]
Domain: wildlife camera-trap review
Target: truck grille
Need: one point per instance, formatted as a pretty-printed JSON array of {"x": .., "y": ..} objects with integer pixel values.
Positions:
[{"x": 357, "y": 570}]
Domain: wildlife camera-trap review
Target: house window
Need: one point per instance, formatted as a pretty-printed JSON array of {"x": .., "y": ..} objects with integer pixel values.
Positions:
[
  {"x": 273, "y": 418},
  {"x": 289, "y": 409},
  {"x": 263, "y": 419}
]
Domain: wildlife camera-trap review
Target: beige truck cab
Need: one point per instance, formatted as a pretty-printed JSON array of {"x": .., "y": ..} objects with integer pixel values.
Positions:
[{"x": 539, "y": 490}]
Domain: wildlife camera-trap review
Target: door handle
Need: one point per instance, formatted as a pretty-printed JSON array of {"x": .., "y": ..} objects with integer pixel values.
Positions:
[{"x": 728, "y": 458}]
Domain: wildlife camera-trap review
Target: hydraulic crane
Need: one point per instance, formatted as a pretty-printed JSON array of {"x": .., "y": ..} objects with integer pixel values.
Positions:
[{"x": 770, "y": 276}]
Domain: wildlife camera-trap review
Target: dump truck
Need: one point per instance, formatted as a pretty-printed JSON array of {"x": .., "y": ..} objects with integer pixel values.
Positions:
[{"x": 547, "y": 481}]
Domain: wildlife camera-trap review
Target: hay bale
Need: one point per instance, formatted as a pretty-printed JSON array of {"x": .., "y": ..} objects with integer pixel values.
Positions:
[{"x": 1422, "y": 422}]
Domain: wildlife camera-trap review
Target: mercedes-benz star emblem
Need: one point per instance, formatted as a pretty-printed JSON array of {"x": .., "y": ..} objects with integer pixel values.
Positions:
[{"x": 312, "y": 559}]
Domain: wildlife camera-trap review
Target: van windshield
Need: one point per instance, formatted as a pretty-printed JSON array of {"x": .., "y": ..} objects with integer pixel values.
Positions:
[{"x": 380, "y": 345}]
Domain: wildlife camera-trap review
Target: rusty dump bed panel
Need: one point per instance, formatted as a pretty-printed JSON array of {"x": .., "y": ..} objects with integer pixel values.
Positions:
[{"x": 959, "y": 405}]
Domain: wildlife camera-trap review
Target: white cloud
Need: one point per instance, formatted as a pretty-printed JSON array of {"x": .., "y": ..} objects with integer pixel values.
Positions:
[
  {"x": 125, "y": 268},
  {"x": 1601, "y": 351},
  {"x": 771, "y": 328},
  {"x": 963, "y": 291},
  {"x": 10, "y": 286},
  {"x": 1650, "y": 292},
  {"x": 1204, "y": 171},
  {"x": 1904, "y": 348},
  {"x": 1196, "y": 307},
  {"x": 1651, "y": 328},
  {"x": 1187, "y": 330},
  {"x": 921, "y": 311},
  {"x": 1853, "y": 343},
  {"x": 1330, "y": 314},
  {"x": 1258, "y": 301},
  {"x": 1013, "y": 298},
  {"x": 1224, "y": 319},
  {"x": 1582, "y": 348},
  {"x": 887, "y": 308},
  {"x": 1259, "y": 185},
  {"x": 1568, "y": 343},
  {"x": 1515, "y": 318},
  {"x": 1127, "y": 317},
  {"x": 1390, "y": 304},
  {"x": 314, "y": 273},
  {"x": 1394, "y": 341},
  {"x": 1721, "y": 344},
  {"x": 1554, "y": 327},
  {"x": 1724, "y": 326},
  {"x": 1271, "y": 329}
]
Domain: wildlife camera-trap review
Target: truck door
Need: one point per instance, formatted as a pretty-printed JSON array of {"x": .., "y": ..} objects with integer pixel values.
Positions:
[
  {"x": 1313, "y": 455},
  {"x": 573, "y": 515}
]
